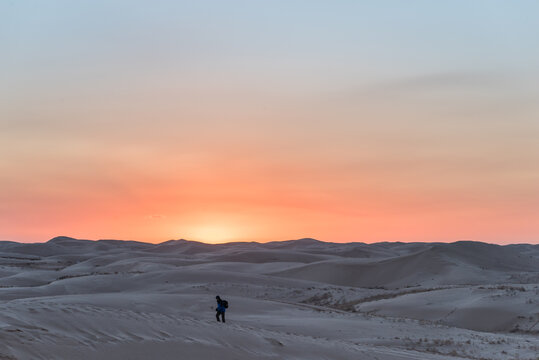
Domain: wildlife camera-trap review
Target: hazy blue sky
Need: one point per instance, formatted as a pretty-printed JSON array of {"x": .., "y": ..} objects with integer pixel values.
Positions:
[{"x": 220, "y": 120}]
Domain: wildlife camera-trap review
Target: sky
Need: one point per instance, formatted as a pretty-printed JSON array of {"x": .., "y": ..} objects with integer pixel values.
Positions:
[{"x": 269, "y": 120}]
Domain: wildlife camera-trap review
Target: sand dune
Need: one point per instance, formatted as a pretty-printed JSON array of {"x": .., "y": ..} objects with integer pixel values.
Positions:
[
  {"x": 460, "y": 263},
  {"x": 303, "y": 299}
]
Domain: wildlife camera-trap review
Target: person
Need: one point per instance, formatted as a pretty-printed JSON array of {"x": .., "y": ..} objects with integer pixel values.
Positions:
[{"x": 220, "y": 308}]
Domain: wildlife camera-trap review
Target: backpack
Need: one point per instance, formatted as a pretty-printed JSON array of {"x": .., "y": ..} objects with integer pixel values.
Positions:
[{"x": 225, "y": 303}]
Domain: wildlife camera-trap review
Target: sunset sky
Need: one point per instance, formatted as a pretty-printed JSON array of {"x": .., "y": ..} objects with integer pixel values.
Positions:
[{"x": 269, "y": 120}]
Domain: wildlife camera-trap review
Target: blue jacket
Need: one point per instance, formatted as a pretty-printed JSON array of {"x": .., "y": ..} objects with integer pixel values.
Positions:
[{"x": 220, "y": 307}]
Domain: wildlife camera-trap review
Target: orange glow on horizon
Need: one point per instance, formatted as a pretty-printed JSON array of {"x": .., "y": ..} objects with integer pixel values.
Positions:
[{"x": 255, "y": 198}]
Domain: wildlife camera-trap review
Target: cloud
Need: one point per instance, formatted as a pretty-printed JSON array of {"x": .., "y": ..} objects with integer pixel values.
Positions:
[{"x": 443, "y": 82}]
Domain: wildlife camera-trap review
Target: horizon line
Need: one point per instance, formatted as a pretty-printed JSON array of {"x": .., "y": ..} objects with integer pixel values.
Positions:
[{"x": 269, "y": 241}]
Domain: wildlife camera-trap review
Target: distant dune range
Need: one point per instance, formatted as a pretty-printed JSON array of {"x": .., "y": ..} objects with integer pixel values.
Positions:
[{"x": 299, "y": 299}]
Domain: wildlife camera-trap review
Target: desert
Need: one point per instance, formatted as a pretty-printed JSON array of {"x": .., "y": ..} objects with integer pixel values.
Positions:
[
  {"x": 269, "y": 180},
  {"x": 298, "y": 299}
]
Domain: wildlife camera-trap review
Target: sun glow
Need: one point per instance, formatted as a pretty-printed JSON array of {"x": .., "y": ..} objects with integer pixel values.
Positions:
[{"x": 214, "y": 233}]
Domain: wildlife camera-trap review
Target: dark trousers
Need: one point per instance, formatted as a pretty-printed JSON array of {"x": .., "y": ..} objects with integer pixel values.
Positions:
[{"x": 222, "y": 313}]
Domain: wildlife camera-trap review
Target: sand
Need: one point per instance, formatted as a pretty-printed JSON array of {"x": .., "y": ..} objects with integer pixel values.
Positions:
[{"x": 302, "y": 299}]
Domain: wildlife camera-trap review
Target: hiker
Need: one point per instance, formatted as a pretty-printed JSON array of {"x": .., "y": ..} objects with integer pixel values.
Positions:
[{"x": 221, "y": 308}]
